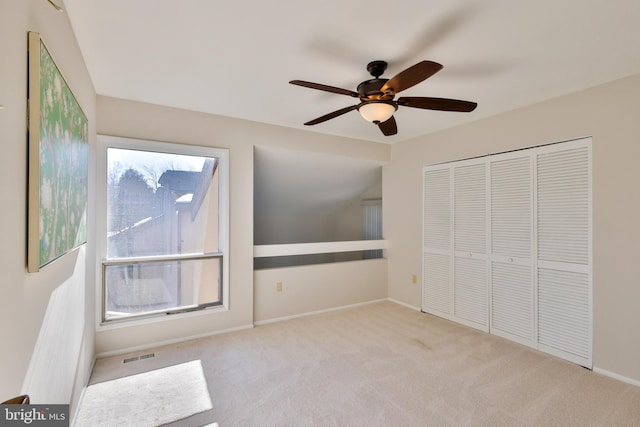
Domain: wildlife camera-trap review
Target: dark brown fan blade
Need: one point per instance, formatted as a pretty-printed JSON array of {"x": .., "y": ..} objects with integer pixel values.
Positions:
[
  {"x": 442, "y": 104},
  {"x": 325, "y": 88},
  {"x": 389, "y": 127},
  {"x": 411, "y": 76},
  {"x": 331, "y": 115}
]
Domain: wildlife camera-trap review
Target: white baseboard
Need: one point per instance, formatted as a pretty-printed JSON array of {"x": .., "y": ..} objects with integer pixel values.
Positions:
[
  {"x": 616, "y": 376},
  {"x": 412, "y": 307},
  {"x": 310, "y": 313},
  {"x": 168, "y": 342}
]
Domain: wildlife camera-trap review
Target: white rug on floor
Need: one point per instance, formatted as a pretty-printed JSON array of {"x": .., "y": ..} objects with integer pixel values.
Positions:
[{"x": 148, "y": 399}]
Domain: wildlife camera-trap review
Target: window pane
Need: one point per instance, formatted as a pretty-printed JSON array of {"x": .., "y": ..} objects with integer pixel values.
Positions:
[
  {"x": 156, "y": 286},
  {"x": 160, "y": 203},
  {"x": 165, "y": 228},
  {"x": 372, "y": 225},
  {"x": 263, "y": 263}
]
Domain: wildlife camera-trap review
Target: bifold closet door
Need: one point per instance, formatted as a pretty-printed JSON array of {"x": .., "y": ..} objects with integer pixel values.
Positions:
[
  {"x": 436, "y": 243},
  {"x": 507, "y": 246},
  {"x": 470, "y": 288},
  {"x": 512, "y": 290},
  {"x": 564, "y": 250}
]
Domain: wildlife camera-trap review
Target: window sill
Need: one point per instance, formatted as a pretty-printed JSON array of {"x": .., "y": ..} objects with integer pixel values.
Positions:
[{"x": 158, "y": 318}]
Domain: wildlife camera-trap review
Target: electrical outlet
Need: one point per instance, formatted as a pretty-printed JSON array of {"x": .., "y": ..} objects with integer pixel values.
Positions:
[
  {"x": 278, "y": 286},
  {"x": 414, "y": 279}
]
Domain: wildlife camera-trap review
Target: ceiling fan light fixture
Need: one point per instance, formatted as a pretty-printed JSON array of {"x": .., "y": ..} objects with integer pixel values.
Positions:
[
  {"x": 377, "y": 95},
  {"x": 377, "y": 111}
]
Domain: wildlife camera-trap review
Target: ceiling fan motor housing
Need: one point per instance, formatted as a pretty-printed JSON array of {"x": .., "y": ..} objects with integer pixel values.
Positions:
[{"x": 371, "y": 88}]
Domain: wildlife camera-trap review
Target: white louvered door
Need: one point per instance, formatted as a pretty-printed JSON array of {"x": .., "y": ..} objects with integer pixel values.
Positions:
[
  {"x": 564, "y": 273},
  {"x": 470, "y": 291},
  {"x": 436, "y": 243},
  {"x": 507, "y": 246},
  {"x": 512, "y": 290}
]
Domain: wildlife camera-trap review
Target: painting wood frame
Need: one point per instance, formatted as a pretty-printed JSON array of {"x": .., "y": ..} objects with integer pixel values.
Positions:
[{"x": 58, "y": 162}]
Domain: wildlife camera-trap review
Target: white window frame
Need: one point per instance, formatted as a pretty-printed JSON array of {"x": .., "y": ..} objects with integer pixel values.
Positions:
[{"x": 222, "y": 154}]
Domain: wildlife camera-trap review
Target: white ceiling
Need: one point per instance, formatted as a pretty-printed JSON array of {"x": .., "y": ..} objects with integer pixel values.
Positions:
[{"x": 235, "y": 58}]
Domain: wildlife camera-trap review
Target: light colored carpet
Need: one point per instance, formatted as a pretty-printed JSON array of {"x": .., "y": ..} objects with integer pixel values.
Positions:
[
  {"x": 147, "y": 399},
  {"x": 386, "y": 365}
]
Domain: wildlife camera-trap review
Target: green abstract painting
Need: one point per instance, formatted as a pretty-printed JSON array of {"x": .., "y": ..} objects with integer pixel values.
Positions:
[{"x": 62, "y": 163}]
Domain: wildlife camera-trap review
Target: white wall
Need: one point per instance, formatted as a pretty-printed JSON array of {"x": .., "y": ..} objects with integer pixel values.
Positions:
[
  {"x": 46, "y": 349},
  {"x": 137, "y": 120},
  {"x": 609, "y": 113}
]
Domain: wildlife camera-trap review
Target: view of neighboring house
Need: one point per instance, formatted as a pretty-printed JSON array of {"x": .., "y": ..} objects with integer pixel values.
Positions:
[{"x": 165, "y": 220}]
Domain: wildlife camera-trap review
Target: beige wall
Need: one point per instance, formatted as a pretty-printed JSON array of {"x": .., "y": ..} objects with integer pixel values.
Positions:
[
  {"x": 312, "y": 288},
  {"x": 137, "y": 120},
  {"x": 609, "y": 113},
  {"x": 47, "y": 335}
]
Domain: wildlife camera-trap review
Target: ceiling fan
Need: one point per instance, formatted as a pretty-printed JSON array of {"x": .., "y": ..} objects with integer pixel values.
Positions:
[{"x": 376, "y": 95}]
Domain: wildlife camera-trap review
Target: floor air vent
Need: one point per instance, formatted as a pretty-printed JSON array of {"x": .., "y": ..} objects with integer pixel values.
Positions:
[{"x": 141, "y": 357}]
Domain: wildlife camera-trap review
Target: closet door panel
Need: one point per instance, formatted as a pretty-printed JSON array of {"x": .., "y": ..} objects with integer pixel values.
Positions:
[
  {"x": 470, "y": 284},
  {"x": 436, "y": 295},
  {"x": 564, "y": 315},
  {"x": 563, "y": 206},
  {"x": 470, "y": 290},
  {"x": 437, "y": 209},
  {"x": 512, "y": 288},
  {"x": 511, "y": 200},
  {"x": 470, "y": 201},
  {"x": 564, "y": 250},
  {"x": 512, "y": 301},
  {"x": 436, "y": 244}
]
